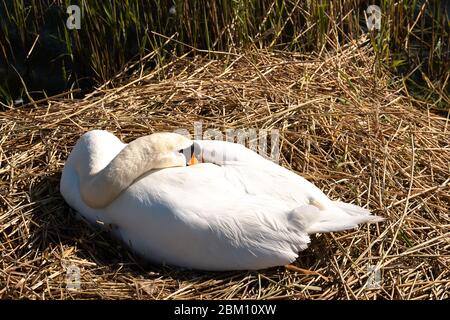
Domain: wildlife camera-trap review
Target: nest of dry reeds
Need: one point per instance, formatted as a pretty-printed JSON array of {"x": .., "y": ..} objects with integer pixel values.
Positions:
[{"x": 341, "y": 126}]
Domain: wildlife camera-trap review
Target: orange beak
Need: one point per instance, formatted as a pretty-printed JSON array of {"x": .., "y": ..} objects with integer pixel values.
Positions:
[{"x": 193, "y": 160}]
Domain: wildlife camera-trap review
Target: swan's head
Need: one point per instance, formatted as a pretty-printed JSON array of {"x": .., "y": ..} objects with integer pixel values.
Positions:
[
  {"x": 172, "y": 149},
  {"x": 191, "y": 154}
]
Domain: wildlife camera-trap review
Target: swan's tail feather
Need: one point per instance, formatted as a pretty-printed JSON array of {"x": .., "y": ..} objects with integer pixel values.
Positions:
[
  {"x": 349, "y": 216},
  {"x": 352, "y": 209}
]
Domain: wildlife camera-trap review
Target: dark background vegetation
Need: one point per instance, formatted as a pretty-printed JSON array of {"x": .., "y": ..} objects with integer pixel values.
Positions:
[{"x": 40, "y": 56}]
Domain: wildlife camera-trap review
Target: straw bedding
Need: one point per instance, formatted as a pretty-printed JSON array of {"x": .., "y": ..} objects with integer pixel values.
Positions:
[{"x": 342, "y": 124}]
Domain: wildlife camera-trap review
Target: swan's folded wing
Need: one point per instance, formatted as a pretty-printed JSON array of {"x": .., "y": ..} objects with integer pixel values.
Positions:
[{"x": 255, "y": 240}]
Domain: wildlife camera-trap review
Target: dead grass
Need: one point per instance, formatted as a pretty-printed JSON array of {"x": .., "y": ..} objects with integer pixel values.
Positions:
[{"x": 341, "y": 127}]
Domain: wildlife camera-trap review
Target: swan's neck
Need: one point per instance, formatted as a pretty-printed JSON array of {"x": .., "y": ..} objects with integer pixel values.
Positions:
[{"x": 99, "y": 188}]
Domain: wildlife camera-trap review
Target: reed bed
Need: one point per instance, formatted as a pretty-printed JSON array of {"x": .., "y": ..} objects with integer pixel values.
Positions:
[
  {"x": 341, "y": 126},
  {"x": 39, "y": 54}
]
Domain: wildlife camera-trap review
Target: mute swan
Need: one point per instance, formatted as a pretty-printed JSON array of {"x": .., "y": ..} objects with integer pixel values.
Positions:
[{"x": 234, "y": 210}]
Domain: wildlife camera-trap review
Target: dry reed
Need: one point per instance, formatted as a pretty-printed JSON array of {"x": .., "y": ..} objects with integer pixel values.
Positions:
[{"x": 341, "y": 125}]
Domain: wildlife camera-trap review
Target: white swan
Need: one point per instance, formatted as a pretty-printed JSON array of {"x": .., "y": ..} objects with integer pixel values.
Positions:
[{"x": 235, "y": 210}]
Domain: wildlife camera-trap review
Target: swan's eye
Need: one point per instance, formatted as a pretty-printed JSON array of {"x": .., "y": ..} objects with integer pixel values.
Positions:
[{"x": 188, "y": 151}]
